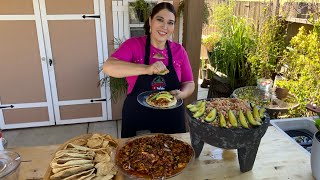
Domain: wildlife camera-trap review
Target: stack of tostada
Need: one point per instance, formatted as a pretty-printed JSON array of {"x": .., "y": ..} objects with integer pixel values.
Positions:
[{"x": 85, "y": 159}]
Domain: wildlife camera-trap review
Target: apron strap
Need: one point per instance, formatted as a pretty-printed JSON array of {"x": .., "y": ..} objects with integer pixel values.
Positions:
[
  {"x": 169, "y": 55},
  {"x": 147, "y": 51}
]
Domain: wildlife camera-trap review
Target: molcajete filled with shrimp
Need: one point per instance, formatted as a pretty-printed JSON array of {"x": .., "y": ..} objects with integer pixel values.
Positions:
[{"x": 228, "y": 123}]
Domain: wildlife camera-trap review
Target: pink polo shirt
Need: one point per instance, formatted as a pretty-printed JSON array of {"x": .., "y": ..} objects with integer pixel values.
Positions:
[{"x": 133, "y": 50}]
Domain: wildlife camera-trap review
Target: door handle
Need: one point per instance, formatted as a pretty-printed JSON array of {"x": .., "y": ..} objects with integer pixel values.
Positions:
[
  {"x": 92, "y": 100},
  {"x": 50, "y": 62},
  {"x": 94, "y": 16},
  {"x": 2, "y": 107}
]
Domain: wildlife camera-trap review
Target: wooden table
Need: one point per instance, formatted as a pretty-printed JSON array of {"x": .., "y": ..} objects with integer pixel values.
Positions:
[{"x": 277, "y": 158}]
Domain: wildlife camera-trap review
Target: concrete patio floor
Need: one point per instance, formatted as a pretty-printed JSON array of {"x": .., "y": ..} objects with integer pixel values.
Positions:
[{"x": 49, "y": 135}]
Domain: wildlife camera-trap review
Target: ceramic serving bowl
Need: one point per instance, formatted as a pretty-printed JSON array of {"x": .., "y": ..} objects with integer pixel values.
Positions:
[{"x": 151, "y": 156}]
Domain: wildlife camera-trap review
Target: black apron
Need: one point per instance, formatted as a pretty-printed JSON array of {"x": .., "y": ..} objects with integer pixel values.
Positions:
[{"x": 136, "y": 117}]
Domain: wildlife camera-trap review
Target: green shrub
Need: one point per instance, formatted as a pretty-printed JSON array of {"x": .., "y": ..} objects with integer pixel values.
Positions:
[
  {"x": 270, "y": 48},
  {"x": 302, "y": 58}
]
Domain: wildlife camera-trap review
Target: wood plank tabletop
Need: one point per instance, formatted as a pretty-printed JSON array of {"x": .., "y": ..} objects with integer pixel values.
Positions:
[{"x": 277, "y": 158}]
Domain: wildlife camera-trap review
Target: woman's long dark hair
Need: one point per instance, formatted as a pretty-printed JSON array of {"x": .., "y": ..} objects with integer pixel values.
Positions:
[{"x": 155, "y": 10}]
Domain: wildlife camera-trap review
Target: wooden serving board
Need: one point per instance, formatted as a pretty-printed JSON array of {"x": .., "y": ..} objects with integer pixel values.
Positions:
[{"x": 277, "y": 158}]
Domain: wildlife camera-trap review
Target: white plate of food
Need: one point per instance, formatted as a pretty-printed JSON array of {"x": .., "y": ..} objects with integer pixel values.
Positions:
[{"x": 159, "y": 100}]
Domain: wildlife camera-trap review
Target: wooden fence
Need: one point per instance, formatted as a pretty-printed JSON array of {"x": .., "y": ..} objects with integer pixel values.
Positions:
[{"x": 297, "y": 12}]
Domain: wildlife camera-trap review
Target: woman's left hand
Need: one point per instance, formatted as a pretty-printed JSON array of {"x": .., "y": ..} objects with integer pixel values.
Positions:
[
  {"x": 186, "y": 90},
  {"x": 177, "y": 93}
]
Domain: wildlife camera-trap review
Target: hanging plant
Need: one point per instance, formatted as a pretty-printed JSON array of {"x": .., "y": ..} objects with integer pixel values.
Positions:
[
  {"x": 205, "y": 11},
  {"x": 143, "y": 9}
]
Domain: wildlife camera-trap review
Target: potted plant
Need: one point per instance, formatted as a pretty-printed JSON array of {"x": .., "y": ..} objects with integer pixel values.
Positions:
[
  {"x": 264, "y": 59},
  {"x": 204, "y": 73},
  {"x": 118, "y": 86},
  {"x": 229, "y": 55},
  {"x": 211, "y": 41},
  {"x": 142, "y": 9},
  {"x": 315, "y": 154},
  {"x": 315, "y": 150}
]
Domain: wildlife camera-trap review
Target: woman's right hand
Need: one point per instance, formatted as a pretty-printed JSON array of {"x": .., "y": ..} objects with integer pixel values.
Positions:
[{"x": 157, "y": 68}]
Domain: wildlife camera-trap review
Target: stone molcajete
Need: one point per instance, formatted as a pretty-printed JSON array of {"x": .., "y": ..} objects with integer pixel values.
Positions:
[{"x": 246, "y": 141}]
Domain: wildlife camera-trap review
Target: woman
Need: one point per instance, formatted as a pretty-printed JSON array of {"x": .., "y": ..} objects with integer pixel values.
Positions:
[{"x": 149, "y": 59}]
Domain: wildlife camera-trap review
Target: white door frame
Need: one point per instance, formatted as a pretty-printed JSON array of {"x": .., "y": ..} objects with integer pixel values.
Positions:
[
  {"x": 37, "y": 18},
  {"x": 105, "y": 51},
  {"x": 100, "y": 24}
]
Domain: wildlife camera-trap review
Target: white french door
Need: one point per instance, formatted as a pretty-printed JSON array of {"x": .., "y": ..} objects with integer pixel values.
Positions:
[
  {"x": 49, "y": 61},
  {"x": 76, "y": 47},
  {"x": 25, "y": 93}
]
